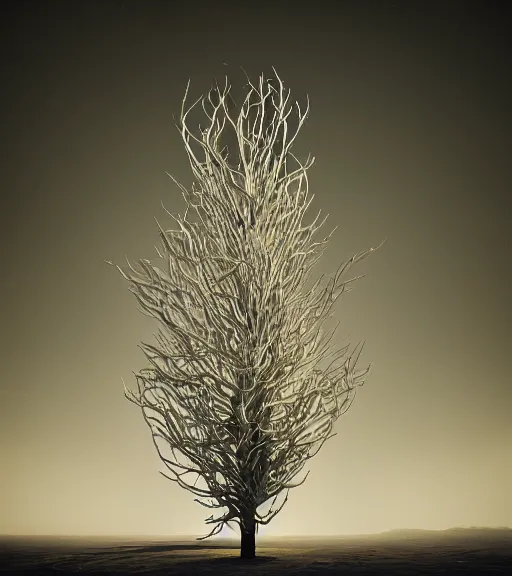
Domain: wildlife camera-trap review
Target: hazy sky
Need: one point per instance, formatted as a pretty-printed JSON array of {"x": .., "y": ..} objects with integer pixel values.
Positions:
[{"x": 410, "y": 125}]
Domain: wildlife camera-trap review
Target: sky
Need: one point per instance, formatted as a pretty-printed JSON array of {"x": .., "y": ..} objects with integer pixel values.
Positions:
[{"x": 410, "y": 125}]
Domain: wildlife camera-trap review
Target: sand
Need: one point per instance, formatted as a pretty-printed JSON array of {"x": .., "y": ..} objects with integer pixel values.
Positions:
[{"x": 398, "y": 553}]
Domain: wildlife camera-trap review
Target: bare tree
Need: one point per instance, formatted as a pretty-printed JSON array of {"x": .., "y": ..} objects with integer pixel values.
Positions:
[{"x": 244, "y": 386}]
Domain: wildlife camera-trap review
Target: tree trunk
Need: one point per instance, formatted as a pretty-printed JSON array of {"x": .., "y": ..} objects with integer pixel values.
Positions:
[{"x": 248, "y": 540}]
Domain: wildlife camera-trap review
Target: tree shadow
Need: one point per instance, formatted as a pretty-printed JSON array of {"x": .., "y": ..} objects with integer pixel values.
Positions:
[
  {"x": 197, "y": 562},
  {"x": 171, "y": 547},
  {"x": 235, "y": 560}
]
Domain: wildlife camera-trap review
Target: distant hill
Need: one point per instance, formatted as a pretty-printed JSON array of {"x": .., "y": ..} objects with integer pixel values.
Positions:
[{"x": 456, "y": 532}]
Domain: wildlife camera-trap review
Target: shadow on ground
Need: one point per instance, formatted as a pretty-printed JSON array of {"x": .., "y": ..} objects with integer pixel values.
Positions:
[{"x": 464, "y": 552}]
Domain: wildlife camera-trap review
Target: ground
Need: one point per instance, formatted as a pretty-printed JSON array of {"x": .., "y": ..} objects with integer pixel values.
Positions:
[{"x": 468, "y": 552}]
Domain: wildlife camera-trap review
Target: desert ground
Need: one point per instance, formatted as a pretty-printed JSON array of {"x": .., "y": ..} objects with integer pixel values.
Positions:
[{"x": 464, "y": 551}]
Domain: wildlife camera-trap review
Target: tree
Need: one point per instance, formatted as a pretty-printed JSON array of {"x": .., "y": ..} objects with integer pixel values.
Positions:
[{"x": 244, "y": 386}]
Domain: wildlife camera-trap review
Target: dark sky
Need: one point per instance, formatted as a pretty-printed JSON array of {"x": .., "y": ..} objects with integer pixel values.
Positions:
[{"x": 410, "y": 124}]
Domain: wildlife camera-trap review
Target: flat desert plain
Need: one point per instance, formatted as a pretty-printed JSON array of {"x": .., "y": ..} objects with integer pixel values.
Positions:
[{"x": 458, "y": 551}]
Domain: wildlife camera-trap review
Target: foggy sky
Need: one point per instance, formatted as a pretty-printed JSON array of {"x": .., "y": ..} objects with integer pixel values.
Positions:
[{"x": 410, "y": 126}]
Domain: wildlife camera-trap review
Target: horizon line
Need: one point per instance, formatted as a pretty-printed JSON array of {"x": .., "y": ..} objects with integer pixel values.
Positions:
[{"x": 258, "y": 536}]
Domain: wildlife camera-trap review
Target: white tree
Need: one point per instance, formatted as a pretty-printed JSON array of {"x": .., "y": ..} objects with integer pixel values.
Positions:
[{"x": 244, "y": 386}]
